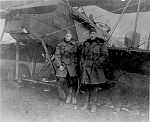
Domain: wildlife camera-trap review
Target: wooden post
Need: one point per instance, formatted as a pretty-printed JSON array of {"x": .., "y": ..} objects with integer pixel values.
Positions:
[
  {"x": 17, "y": 60},
  {"x": 135, "y": 27},
  {"x": 2, "y": 32},
  {"x": 48, "y": 56},
  {"x": 34, "y": 60},
  {"x": 148, "y": 45},
  {"x": 2, "y": 35}
]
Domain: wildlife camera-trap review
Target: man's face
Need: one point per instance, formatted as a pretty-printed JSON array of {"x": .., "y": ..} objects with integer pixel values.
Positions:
[
  {"x": 92, "y": 35},
  {"x": 68, "y": 37}
]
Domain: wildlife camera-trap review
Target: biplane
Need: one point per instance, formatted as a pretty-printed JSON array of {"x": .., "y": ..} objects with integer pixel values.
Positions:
[{"x": 41, "y": 25}]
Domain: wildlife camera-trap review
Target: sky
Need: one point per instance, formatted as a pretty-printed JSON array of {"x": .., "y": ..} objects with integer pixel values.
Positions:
[{"x": 143, "y": 25}]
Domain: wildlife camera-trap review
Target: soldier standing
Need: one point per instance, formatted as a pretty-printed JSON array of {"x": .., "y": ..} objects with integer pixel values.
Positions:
[
  {"x": 66, "y": 60},
  {"x": 94, "y": 53}
]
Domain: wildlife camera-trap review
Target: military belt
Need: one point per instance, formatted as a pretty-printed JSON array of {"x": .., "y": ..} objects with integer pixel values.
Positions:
[
  {"x": 89, "y": 57},
  {"x": 92, "y": 57},
  {"x": 72, "y": 55}
]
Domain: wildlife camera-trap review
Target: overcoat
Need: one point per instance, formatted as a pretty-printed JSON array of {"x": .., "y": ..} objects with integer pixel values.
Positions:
[
  {"x": 66, "y": 55},
  {"x": 94, "y": 53}
]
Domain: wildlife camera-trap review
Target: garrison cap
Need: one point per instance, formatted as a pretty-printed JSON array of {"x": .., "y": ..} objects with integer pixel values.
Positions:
[
  {"x": 67, "y": 32},
  {"x": 92, "y": 30}
]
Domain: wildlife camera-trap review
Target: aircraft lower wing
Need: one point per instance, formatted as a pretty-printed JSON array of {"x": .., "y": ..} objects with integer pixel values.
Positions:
[
  {"x": 135, "y": 61},
  {"x": 114, "y": 6}
]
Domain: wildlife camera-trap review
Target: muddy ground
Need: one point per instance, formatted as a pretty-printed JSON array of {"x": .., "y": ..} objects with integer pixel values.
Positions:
[{"x": 126, "y": 101}]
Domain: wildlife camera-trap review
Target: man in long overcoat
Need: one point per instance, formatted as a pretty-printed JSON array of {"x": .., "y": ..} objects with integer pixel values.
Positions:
[
  {"x": 94, "y": 53},
  {"x": 66, "y": 61}
]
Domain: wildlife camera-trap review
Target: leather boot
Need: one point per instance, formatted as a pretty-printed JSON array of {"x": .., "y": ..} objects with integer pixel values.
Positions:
[
  {"x": 68, "y": 100},
  {"x": 86, "y": 101},
  {"x": 62, "y": 94},
  {"x": 93, "y": 108},
  {"x": 74, "y": 100},
  {"x": 85, "y": 106},
  {"x": 94, "y": 100},
  {"x": 61, "y": 89}
]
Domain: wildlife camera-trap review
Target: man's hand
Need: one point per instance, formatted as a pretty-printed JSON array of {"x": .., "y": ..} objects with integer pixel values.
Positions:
[
  {"x": 101, "y": 60},
  {"x": 61, "y": 68}
]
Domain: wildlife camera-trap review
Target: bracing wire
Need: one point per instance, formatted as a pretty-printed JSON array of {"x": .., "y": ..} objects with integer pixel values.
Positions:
[
  {"x": 131, "y": 24},
  {"x": 6, "y": 5},
  {"x": 94, "y": 18},
  {"x": 118, "y": 10},
  {"x": 118, "y": 20}
]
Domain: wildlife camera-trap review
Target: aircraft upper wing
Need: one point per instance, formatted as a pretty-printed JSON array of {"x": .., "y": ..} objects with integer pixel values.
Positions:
[
  {"x": 114, "y": 6},
  {"x": 34, "y": 8},
  {"x": 37, "y": 8}
]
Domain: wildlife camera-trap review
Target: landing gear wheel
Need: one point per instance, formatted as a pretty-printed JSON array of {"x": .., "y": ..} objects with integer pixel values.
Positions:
[{"x": 23, "y": 73}]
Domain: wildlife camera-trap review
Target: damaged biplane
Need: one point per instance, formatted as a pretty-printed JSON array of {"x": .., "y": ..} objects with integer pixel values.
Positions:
[{"x": 42, "y": 25}]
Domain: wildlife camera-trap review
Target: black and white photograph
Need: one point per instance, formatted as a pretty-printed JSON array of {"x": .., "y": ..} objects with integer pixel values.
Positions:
[{"x": 74, "y": 60}]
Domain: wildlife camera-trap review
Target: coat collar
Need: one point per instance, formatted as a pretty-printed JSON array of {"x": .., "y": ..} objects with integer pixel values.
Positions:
[
  {"x": 72, "y": 41},
  {"x": 94, "y": 42}
]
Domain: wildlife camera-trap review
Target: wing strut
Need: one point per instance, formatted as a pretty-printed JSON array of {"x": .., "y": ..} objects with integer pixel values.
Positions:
[
  {"x": 17, "y": 60},
  {"x": 46, "y": 50},
  {"x": 135, "y": 27},
  {"x": 2, "y": 33},
  {"x": 113, "y": 29},
  {"x": 148, "y": 45}
]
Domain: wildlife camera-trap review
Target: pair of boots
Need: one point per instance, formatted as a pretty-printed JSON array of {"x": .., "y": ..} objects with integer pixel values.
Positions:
[
  {"x": 93, "y": 107},
  {"x": 66, "y": 93},
  {"x": 72, "y": 97},
  {"x": 93, "y": 97}
]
